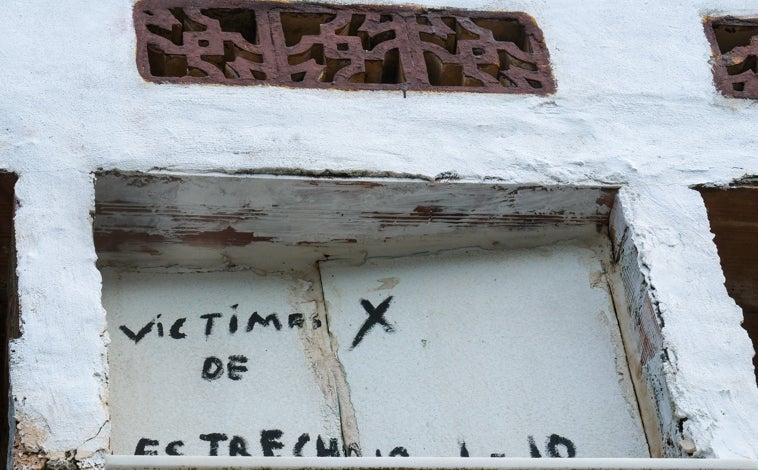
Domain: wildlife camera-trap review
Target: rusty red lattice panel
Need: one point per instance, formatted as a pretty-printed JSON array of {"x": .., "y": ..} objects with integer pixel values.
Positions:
[
  {"x": 241, "y": 42},
  {"x": 734, "y": 42}
]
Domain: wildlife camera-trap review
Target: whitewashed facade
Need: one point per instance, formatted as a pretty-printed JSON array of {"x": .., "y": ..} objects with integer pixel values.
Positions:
[{"x": 635, "y": 109}]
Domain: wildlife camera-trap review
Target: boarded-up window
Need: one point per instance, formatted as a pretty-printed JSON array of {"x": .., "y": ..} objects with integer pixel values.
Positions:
[
  {"x": 733, "y": 214},
  {"x": 325, "y": 317},
  {"x": 8, "y": 300}
]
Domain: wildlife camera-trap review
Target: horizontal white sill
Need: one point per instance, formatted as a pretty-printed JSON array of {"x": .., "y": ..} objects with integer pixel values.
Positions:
[{"x": 141, "y": 462}]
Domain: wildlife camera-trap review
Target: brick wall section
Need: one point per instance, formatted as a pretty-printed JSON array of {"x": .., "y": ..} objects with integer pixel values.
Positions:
[{"x": 640, "y": 323}]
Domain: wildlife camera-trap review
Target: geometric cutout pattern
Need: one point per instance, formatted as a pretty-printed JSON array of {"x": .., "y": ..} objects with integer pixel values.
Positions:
[
  {"x": 345, "y": 47},
  {"x": 734, "y": 42}
]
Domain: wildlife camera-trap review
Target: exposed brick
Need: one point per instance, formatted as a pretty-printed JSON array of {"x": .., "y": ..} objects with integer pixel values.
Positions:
[{"x": 346, "y": 47}]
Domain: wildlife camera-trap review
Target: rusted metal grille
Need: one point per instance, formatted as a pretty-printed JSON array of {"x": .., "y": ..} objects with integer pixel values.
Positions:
[
  {"x": 734, "y": 42},
  {"x": 348, "y": 47}
]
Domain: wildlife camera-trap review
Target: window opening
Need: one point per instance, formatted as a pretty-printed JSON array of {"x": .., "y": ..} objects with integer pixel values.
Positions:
[
  {"x": 733, "y": 214},
  {"x": 334, "y": 317}
]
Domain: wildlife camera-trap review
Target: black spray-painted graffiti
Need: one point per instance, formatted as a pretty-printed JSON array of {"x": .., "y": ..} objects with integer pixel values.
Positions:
[
  {"x": 271, "y": 444},
  {"x": 211, "y": 324},
  {"x": 375, "y": 315},
  {"x": 234, "y": 366},
  {"x": 214, "y": 367},
  {"x": 211, "y": 321},
  {"x": 552, "y": 446}
]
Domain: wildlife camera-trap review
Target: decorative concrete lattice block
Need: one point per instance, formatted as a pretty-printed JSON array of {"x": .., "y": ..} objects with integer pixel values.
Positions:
[
  {"x": 734, "y": 42},
  {"x": 346, "y": 47}
]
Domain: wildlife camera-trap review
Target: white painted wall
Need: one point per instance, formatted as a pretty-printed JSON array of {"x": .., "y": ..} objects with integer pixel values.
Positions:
[{"x": 635, "y": 106}]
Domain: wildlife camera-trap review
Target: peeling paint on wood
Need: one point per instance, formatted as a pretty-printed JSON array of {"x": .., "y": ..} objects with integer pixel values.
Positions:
[{"x": 207, "y": 211}]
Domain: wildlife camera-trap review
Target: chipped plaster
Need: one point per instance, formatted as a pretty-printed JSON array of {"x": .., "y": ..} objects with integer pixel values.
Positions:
[{"x": 635, "y": 107}]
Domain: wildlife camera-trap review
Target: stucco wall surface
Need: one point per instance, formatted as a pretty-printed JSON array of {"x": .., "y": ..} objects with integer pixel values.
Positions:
[
  {"x": 635, "y": 107},
  {"x": 487, "y": 350},
  {"x": 156, "y": 386}
]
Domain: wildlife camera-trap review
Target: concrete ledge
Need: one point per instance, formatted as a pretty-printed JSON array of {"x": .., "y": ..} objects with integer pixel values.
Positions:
[{"x": 141, "y": 462}]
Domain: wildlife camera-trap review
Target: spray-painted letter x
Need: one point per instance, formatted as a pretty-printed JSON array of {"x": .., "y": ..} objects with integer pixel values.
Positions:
[{"x": 375, "y": 315}]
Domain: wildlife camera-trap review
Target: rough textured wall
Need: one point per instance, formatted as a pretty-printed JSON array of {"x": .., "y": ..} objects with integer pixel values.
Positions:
[{"x": 635, "y": 106}]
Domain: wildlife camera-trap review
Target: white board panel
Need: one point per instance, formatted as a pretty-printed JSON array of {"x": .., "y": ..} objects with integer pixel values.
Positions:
[
  {"x": 184, "y": 370},
  {"x": 513, "y": 353}
]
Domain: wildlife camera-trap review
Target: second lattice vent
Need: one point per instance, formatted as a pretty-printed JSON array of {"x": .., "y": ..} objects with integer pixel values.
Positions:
[
  {"x": 346, "y": 47},
  {"x": 734, "y": 43}
]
